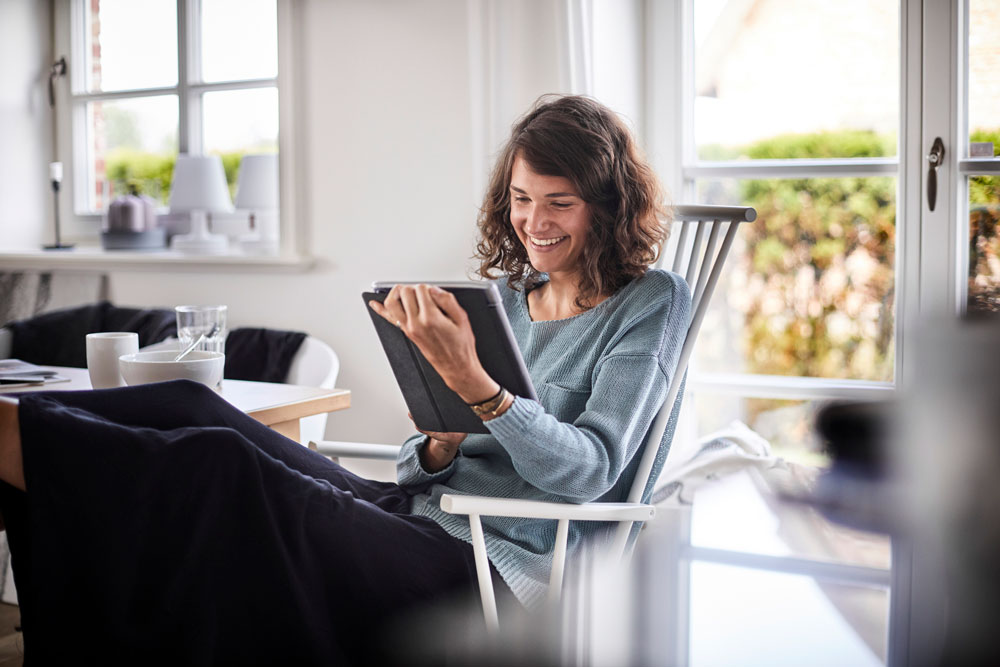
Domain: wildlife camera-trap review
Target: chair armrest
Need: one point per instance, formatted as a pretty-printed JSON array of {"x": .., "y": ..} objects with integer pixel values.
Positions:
[
  {"x": 539, "y": 509},
  {"x": 359, "y": 450}
]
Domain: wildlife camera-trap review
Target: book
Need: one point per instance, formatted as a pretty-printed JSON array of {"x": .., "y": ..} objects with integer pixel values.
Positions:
[{"x": 15, "y": 373}]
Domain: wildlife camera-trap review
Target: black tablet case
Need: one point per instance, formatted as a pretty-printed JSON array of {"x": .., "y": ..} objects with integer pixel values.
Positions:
[{"x": 432, "y": 404}]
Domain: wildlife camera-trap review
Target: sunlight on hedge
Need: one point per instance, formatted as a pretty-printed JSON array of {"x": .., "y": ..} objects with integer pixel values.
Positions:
[{"x": 152, "y": 173}]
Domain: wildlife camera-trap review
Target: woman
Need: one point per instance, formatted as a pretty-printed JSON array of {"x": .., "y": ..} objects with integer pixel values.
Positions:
[{"x": 196, "y": 525}]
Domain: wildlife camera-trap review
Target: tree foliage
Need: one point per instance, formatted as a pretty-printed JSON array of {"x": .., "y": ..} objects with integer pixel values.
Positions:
[{"x": 818, "y": 279}]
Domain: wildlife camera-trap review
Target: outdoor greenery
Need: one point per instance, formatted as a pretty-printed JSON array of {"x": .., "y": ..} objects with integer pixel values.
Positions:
[
  {"x": 151, "y": 173},
  {"x": 984, "y": 241},
  {"x": 816, "y": 284}
]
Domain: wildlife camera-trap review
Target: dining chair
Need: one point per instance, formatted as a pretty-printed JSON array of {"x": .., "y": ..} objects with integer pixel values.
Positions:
[{"x": 698, "y": 256}]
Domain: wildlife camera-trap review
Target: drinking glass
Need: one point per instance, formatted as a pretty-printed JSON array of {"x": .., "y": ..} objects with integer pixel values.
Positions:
[{"x": 193, "y": 321}]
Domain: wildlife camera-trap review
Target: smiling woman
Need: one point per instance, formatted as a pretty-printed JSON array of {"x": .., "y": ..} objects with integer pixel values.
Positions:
[{"x": 571, "y": 168}]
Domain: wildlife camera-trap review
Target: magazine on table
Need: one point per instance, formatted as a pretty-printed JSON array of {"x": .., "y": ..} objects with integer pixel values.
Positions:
[{"x": 15, "y": 373}]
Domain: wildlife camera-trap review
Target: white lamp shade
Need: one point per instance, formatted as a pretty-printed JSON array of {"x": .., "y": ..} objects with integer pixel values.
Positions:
[
  {"x": 199, "y": 185},
  {"x": 257, "y": 188}
]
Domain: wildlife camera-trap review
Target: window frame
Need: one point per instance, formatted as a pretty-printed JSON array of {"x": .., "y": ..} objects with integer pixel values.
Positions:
[
  {"x": 82, "y": 224},
  {"x": 670, "y": 109}
]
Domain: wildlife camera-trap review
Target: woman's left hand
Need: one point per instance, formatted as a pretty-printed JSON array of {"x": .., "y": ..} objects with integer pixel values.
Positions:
[{"x": 432, "y": 318}]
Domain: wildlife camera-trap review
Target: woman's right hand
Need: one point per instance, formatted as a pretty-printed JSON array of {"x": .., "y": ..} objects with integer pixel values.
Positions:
[{"x": 441, "y": 449}]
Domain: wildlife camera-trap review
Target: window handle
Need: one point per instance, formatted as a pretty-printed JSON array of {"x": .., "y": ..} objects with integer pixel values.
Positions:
[
  {"x": 58, "y": 69},
  {"x": 934, "y": 160}
]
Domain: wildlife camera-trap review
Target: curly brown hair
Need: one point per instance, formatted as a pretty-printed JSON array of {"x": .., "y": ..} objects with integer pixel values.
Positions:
[{"x": 579, "y": 139}]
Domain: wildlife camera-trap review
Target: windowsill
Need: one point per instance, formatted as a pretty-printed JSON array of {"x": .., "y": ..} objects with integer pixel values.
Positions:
[{"x": 93, "y": 258}]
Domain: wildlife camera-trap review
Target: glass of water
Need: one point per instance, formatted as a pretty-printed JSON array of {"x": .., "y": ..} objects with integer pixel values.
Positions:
[{"x": 193, "y": 321}]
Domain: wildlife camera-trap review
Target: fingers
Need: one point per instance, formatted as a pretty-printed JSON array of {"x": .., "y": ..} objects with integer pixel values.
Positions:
[
  {"x": 392, "y": 308},
  {"x": 447, "y": 302},
  {"x": 406, "y": 305},
  {"x": 429, "y": 310},
  {"x": 408, "y": 302}
]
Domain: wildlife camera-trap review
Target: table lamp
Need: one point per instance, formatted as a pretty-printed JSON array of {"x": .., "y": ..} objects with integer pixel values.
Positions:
[
  {"x": 257, "y": 192},
  {"x": 199, "y": 188},
  {"x": 55, "y": 177}
]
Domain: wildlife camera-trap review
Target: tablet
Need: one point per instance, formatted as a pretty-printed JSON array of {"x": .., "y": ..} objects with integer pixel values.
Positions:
[{"x": 432, "y": 404}]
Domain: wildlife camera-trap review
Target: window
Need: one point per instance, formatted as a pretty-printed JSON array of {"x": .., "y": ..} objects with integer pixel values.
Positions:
[
  {"x": 981, "y": 164},
  {"x": 161, "y": 77},
  {"x": 806, "y": 308}
]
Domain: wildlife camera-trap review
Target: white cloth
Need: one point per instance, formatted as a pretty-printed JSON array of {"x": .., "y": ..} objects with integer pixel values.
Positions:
[{"x": 721, "y": 453}]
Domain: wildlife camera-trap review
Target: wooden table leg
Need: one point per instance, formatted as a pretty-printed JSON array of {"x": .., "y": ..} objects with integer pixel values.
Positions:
[{"x": 289, "y": 429}]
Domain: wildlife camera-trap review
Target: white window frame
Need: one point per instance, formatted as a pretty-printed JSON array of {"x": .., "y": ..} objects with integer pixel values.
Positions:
[
  {"x": 83, "y": 225},
  {"x": 669, "y": 110}
]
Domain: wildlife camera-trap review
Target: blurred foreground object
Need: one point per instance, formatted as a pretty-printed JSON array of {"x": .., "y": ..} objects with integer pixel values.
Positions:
[{"x": 948, "y": 455}]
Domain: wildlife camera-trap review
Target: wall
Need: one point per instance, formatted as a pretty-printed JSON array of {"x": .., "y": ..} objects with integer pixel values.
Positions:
[
  {"x": 393, "y": 166},
  {"x": 25, "y": 124}
]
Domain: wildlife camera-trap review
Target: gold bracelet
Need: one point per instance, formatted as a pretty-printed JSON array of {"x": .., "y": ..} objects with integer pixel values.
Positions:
[
  {"x": 490, "y": 405},
  {"x": 503, "y": 407}
]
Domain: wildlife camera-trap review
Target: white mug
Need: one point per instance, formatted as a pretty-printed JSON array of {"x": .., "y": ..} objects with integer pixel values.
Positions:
[{"x": 103, "y": 350}]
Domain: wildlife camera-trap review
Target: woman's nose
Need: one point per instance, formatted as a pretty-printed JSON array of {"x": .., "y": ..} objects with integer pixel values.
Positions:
[{"x": 534, "y": 220}]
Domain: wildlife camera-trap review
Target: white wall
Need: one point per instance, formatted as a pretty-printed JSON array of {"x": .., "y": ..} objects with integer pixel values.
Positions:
[
  {"x": 25, "y": 124},
  {"x": 393, "y": 166}
]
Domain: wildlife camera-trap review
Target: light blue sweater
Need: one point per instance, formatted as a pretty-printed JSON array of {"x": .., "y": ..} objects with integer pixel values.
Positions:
[{"x": 600, "y": 376}]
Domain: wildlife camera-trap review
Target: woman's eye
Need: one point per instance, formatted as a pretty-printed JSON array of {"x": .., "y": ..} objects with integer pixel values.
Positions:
[
  {"x": 559, "y": 204},
  {"x": 521, "y": 200}
]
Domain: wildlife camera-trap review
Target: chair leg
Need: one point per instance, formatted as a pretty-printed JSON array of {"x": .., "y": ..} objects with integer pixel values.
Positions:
[
  {"x": 483, "y": 571},
  {"x": 558, "y": 562}
]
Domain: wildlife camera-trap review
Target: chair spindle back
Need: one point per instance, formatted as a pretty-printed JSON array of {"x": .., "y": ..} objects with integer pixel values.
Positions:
[{"x": 701, "y": 267}]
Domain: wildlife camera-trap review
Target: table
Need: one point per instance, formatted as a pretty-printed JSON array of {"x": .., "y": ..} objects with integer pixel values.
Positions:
[{"x": 279, "y": 406}]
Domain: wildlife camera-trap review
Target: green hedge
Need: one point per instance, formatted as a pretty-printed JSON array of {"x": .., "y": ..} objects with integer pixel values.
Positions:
[{"x": 152, "y": 173}]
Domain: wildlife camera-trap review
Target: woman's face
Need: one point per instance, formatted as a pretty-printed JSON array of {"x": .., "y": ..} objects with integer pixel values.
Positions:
[{"x": 550, "y": 219}]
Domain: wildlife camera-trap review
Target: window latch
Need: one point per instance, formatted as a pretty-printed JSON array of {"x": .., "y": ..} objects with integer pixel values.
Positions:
[
  {"x": 58, "y": 69},
  {"x": 934, "y": 160}
]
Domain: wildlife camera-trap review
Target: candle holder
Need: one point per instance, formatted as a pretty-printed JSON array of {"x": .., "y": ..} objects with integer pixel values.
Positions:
[{"x": 55, "y": 176}]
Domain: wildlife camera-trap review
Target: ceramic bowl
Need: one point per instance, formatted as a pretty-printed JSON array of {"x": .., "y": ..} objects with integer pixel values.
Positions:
[{"x": 146, "y": 367}]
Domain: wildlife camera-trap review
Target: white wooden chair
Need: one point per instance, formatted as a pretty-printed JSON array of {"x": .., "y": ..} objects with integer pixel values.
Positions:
[{"x": 700, "y": 263}]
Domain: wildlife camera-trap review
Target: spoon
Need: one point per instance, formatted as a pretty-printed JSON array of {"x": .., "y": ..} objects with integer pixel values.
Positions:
[{"x": 197, "y": 341}]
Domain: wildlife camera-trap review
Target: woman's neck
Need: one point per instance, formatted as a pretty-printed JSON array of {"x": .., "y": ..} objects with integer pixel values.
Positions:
[{"x": 557, "y": 299}]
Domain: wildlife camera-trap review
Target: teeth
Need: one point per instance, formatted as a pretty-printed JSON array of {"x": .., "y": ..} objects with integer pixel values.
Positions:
[{"x": 546, "y": 241}]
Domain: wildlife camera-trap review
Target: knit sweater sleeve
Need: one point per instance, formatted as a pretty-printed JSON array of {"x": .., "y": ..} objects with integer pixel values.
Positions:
[
  {"x": 410, "y": 474},
  {"x": 583, "y": 460}
]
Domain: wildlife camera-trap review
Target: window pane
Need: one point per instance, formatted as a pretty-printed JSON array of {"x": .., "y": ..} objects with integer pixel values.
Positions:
[
  {"x": 809, "y": 288},
  {"x": 744, "y": 513},
  {"x": 786, "y": 425},
  {"x": 984, "y": 77},
  {"x": 237, "y": 122},
  {"x": 766, "y": 70},
  {"x": 984, "y": 244},
  {"x": 132, "y": 142},
  {"x": 246, "y": 48},
  {"x": 130, "y": 44},
  {"x": 744, "y": 616}
]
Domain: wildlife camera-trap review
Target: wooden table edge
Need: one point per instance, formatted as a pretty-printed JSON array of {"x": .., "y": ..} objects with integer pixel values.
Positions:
[{"x": 338, "y": 399}]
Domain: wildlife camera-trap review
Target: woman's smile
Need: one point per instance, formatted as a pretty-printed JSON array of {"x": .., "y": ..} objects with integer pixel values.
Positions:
[{"x": 546, "y": 244}]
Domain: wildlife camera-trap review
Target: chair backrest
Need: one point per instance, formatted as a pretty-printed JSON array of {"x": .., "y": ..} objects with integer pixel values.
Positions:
[
  {"x": 701, "y": 264},
  {"x": 315, "y": 365}
]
